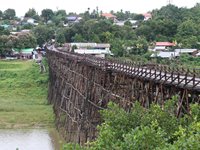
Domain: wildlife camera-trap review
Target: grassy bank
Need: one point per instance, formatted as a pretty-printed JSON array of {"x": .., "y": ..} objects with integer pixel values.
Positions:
[{"x": 23, "y": 96}]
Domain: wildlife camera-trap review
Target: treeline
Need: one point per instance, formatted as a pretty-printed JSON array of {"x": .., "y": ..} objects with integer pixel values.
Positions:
[
  {"x": 19, "y": 41},
  {"x": 170, "y": 23}
]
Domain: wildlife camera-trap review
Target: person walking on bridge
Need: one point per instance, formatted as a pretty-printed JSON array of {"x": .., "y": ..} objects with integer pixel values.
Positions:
[{"x": 39, "y": 61}]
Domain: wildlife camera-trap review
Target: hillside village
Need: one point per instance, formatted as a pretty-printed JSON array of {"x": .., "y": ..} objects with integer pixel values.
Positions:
[{"x": 165, "y": 33}]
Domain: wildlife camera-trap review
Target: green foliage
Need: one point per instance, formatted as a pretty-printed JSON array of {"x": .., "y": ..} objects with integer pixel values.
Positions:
[
  {"x": 189, "y": 61},
  {"x": 60, "y": 37},
  {"x": 3, "y": 45},
  {"x": 28, "y": 40},
  {"x": 9, "y": 14},
  {"x": 153, "y": 128},
  {"x": 62, "y": 13},
  {"x": 30, "y": 13},
  {"x": 1, "y": 14},
  {"x": 47, "y": 14},
  {"x": 43, "y": 34},
  {"x": 4, "y": 31},
  {"x": 71, "y": 146},
  {"x": 19, "y": 41}
]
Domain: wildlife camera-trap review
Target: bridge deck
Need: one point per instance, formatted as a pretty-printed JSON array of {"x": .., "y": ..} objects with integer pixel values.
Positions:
[{"x": 184, "y": 80}]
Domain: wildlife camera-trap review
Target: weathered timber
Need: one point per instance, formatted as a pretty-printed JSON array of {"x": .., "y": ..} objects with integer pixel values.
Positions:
[{"x": 82, "y": 85}]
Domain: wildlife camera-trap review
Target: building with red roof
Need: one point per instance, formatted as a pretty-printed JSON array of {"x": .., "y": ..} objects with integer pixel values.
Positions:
[
  {"x": 147, "y": 16},
  {"x": 163, "y": 46},
  {"x": 109, "y": 16}
]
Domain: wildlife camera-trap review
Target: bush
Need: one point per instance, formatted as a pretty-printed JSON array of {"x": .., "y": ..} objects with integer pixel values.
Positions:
[{"x": 154, "y": 128}]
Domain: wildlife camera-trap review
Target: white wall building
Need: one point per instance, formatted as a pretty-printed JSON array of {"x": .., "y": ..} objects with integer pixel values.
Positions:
[{"x": 96, "y": 49}]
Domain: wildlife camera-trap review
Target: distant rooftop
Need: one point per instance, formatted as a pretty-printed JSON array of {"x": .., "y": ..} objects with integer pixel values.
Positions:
[
  {"x": 165, "y": 54},
  {"x": 92, "y": 51},
  {"x": 71, "y": 18},
  {"x": 108, "y": 15},
  {"x": 94, "y": 45},
  {"x": 164, "y": 44},
  {"x": 185, "y": 50},
  {"x": 147, "y": 15}
]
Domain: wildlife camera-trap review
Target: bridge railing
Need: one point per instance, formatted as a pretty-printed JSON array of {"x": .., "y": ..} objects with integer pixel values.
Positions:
[{"x": 163, "y": 74}]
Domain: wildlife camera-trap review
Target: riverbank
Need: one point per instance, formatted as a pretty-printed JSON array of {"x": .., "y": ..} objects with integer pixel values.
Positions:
[{"x": 23, "y": 96}]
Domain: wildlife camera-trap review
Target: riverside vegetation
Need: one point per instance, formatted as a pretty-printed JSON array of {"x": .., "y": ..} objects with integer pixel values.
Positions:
[
  {"x": 23, "y": 96},
  {"x": 155, "y": 128}
]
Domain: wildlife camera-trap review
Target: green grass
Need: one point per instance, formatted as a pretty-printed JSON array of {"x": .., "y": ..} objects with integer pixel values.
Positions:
[{"x": 23, "y": 96}]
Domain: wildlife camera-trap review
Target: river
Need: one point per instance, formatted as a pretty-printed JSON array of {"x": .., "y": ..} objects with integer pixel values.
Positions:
[{"x": 30, "y": 139}]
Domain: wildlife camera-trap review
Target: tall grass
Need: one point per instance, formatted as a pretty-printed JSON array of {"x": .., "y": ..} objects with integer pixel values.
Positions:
[{"x": 23, "y": 93}]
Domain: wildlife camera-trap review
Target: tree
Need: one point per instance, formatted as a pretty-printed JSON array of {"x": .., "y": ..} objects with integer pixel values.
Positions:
[
  {"x": 60, "y": 37},
  {"x": 138, "y": 17},
  {"x": 188, "y": 28},
  {"x": 59, "y": 17},
  {"x": 171, "y": 12},
  {"x": 154, "y": 128},
  {"x": 61, "y": 13},
  {"x": 9, "y": 14},
  {"x": 145, "y": 30},
  {"x": 189, "y": 42},
  {"x": 36, "y": 17},
  {"x": 27, "y": 40},
  {"x": 140, "y": 46},
  {"x": 3, "y": 40},
  {"x": 30, "y": 13},
  {"x": 43, "y": 34},
  {"x": 4, "y": 31},
  {"x": 78, "y": 38},
  {"x": 128, "y": 23},
  {"x": 1, "y": 14},
  {"x": 47, "y": 14}
]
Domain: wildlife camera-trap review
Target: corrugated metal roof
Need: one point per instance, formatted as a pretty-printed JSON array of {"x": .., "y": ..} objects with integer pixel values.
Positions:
[
  {"x": 92, "y": 51},
  {"x": 185, "y": 50},
  {"x": 24, "y": 51},
  {"x": 166, "y": 54},
  {"x": 71, "y": 18},
  {"x": 93, "y": 45}
]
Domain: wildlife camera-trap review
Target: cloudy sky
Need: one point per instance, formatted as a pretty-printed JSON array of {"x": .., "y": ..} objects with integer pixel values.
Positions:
[{"x": 136, "y": 6}]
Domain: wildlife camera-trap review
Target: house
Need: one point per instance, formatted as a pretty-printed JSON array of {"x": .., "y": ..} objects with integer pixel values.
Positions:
[
  {"x": 26, "y": 21},
  {"x": 119, "y": 23},
  {"x": 147, "y": 16},
  {"x": 187, "y": 51},
  {"x": 25, "y": 53},
  {"x": 163, "y": 46},
  {"x": 7, "y": 27},
  {"x": 71, "y": 20},
  {"x": 168, "y": 55},
  {"x": 134, "y": 23},
  {"x": 32, "y": 21},
  {"x": 109, "y": 16},
  {"x": 96, "y": 49}
]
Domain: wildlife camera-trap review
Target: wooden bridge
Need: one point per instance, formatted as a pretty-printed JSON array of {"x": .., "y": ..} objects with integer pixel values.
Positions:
[{"x": 81, "y": 85}]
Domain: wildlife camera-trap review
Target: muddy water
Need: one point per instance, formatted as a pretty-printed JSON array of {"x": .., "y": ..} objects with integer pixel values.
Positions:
[{"x": 30, "y": 139}]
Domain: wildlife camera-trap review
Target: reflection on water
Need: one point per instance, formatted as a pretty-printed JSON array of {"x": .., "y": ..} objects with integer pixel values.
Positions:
[{"x": 29, "y": 139}]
